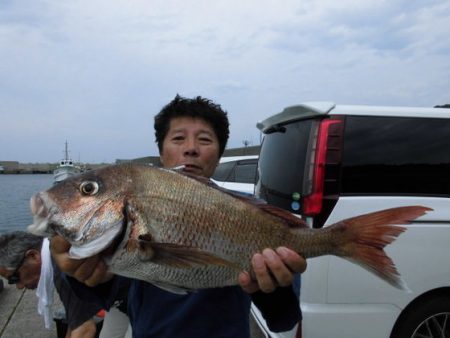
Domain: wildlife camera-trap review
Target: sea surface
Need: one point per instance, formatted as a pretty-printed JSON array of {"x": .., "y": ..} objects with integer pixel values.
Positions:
[{"x": 15, "y": 194}]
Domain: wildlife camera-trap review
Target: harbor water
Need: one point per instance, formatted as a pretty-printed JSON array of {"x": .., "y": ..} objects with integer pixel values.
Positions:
[
  {"x": 15, "y": 194},
  {"x": 18, "y": 308}
]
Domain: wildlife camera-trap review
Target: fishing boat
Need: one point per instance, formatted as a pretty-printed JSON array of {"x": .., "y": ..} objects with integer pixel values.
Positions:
[{"x": 66, "y": 167}]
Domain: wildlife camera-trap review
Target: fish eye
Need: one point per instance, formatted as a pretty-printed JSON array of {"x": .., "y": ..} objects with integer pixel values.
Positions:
[{"x": 89, "y": 188}]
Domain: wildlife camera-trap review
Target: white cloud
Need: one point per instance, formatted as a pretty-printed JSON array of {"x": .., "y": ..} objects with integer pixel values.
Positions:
[{"x": 98, "y": 71}]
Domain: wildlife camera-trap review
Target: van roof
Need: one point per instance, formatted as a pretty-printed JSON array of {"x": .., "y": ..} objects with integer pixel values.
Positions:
[
  {"x": 316, "y": 109},
  {"x": 237, "y": 158}
]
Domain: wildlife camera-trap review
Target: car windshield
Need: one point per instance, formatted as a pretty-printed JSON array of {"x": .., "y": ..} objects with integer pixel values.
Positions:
[{"x": 240, "y": 171}]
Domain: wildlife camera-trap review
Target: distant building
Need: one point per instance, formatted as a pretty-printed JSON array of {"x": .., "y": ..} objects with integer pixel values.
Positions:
[
  {"x": 10, "y": 167},
  {"x": 242, "y": 151},
  {"x": 154, "y": 160},
  {"x": 443, "y": 106},
  {"x": 36, "y": 168}
]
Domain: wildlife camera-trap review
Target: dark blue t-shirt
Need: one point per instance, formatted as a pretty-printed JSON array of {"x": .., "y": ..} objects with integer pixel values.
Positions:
[
  {"x": 222, "y": 312},
  {"x": 218, "y": 312}
]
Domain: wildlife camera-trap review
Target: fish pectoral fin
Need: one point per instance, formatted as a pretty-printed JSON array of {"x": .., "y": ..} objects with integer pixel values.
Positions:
[{"x": 180, "y": 256}]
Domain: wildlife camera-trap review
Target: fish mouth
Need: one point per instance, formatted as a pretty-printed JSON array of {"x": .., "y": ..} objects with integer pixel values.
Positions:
[{"x": 41, "y": 216}]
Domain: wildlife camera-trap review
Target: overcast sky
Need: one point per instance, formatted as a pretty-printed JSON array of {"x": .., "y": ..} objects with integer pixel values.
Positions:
[{"x": 95, "y": 72}]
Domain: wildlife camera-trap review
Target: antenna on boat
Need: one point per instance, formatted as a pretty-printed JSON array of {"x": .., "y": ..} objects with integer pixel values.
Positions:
[{"x": 66, "y": 152}]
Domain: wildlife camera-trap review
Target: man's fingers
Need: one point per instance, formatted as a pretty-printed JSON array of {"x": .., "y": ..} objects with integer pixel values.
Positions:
[
  {"x": 262, "y": 275},
  {"x": 292, "y": 260},
  {"x": 281, "y": 274},
  {"x": 272, "y": 269},
  {"x": 99, "y": 275},
  {"x": 59, "y": 249},
  {"x": 59, "y": 245},
  {"x": 90, "y": 271},
  {"x": 86, "y": 269},
  {"x": 246, "y": 282}
]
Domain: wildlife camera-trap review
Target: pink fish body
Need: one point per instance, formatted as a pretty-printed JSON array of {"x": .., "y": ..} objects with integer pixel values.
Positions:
[{"x": 182, "y": 233}]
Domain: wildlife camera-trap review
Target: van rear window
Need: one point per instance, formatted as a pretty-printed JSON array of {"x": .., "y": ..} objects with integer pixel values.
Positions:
[{"x": 282, "y": 165}]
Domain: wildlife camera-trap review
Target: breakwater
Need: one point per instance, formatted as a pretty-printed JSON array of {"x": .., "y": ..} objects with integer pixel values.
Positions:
[{"x": 13, "y": 167}]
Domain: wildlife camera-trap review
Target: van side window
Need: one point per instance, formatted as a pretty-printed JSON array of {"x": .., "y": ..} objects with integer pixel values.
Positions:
[{"x": 396, "y": 155}]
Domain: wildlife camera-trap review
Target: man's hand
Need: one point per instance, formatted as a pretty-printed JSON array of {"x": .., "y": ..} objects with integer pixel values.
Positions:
[
  {"x": 86, "y": 330},
  {"x": 272, "y": 269},
  {"x": 90, "y": 271}
]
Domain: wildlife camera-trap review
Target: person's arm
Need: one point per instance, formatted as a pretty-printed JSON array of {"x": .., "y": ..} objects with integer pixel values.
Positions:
[
  {"x": 280, "y": 308},
  {"x": 86, "y": 330},
  {"x": 102, "y": 296},
  {"x": 271, "y": 287}
]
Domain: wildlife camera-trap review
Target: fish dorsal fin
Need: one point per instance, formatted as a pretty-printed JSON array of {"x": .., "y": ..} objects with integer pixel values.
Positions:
[
  {"x": 291, "y": 220},
  {"x": 201, "y": 179},
  {"x": 287, "y": 217}
]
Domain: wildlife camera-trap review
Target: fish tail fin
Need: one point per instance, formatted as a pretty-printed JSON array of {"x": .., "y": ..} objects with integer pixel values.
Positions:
[{"x": 364, "y": 238}]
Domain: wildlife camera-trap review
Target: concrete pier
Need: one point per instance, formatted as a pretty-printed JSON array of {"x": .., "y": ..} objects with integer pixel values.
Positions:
[{"x": 19, "y": 317}]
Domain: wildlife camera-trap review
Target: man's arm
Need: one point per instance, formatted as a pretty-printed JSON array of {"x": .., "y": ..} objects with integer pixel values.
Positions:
[
  {"x": 79, "y": 313},
  {"x": 90, "y": 271},
  {"x": 100, "y": 287},
  {"x": 271, "y": 289},
  {"x": 86, "y": 330},
  {"x": 280, "y": 309}
]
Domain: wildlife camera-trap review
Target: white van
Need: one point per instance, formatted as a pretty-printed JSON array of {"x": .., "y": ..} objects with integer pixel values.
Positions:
[{"x": 344, "y": 161}]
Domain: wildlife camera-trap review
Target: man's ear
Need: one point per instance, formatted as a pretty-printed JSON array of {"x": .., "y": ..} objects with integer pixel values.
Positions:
[{"x": 34, "y": 254}]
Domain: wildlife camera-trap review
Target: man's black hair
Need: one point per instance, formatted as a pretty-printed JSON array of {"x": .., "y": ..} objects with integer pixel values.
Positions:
[{"x": 197, "y": 107}]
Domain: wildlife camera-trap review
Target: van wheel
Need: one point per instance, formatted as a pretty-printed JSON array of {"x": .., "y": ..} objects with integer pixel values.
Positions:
[{"x": 427, "y": 319}]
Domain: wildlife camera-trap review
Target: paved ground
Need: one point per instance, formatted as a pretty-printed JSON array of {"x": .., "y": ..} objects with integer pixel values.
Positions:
[{"x": 19, "y": 317}]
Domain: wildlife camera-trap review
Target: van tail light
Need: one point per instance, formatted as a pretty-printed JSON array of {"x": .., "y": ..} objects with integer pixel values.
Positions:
[{"x": 323, "y": 140}]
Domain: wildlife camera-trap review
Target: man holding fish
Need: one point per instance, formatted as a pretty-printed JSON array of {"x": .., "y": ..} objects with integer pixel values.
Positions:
[{"x": 192, "y": 134}]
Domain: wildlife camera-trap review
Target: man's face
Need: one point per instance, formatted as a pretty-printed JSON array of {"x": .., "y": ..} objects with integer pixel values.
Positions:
[
  {"x": 193, "y": 143},
  {"x": 28, "y": 272}
]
